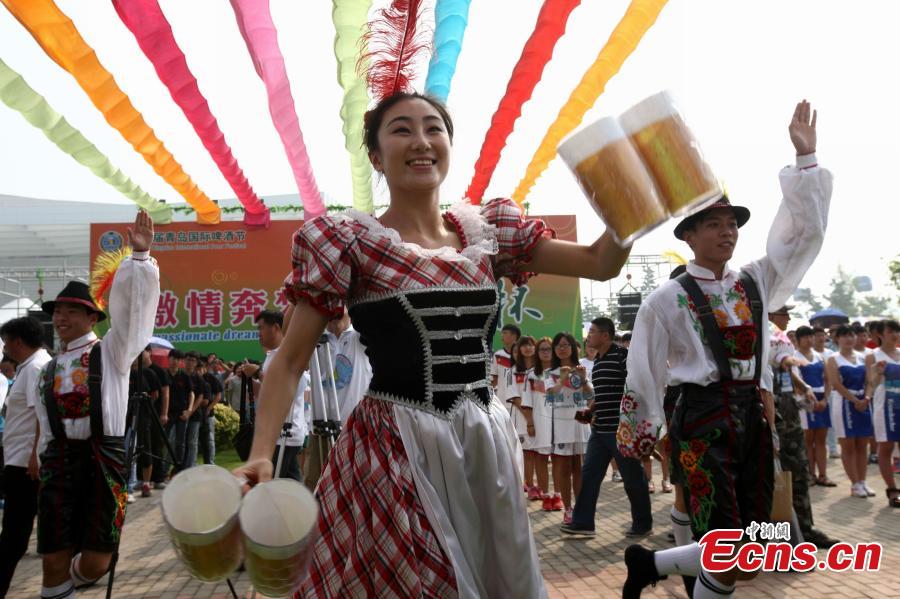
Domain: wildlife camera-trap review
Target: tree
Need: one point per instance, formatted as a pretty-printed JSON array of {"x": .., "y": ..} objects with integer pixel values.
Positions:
[
  {"x": 843, "y": 294},
  {"x": 875, "y": 306},
  {"x": 590, "y": 309},
  {"x": 649, "y": 283},
  {"x": 814, "y": 304},
  {"x": 894, "y": 267}
]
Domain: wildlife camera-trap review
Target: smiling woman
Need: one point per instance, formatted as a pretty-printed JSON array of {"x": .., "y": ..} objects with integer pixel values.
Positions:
[{"x": 421, "y": 287}]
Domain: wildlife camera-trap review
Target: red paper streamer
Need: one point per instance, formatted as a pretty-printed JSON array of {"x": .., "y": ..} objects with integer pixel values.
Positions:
[
  {"x": 145, "y": 19},
  {"x": 550, "y": 26}
]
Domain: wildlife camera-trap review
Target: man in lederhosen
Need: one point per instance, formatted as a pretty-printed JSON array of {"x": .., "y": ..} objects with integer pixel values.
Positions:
[
  {"x": 706, "y": 331},
  {"x": 81, "y": 506}
]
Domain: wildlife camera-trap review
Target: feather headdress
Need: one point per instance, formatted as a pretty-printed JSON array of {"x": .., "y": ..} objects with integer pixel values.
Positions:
[
  {"x": 393, "y": 39},
  {"x": 103, "y": 273}
]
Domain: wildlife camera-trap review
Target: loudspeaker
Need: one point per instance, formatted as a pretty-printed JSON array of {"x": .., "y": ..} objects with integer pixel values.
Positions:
[
  {"x": 627, "y": 310},
  {"x": 46, "y": 325}
]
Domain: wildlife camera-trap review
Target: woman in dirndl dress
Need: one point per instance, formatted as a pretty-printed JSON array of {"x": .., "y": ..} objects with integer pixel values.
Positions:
[{"x": 421, "y": 495}]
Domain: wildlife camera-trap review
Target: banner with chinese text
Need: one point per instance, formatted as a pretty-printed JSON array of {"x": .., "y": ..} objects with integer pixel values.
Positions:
[{"x": 215, "y": 280}]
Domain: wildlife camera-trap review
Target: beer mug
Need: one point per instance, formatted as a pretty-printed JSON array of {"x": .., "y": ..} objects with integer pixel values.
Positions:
[
  {"x": 685, "y": 181},
  {"x": 279, "y": 523},
  {"x": 614, "y": 179},
  {"x": 200, "y": 508}
]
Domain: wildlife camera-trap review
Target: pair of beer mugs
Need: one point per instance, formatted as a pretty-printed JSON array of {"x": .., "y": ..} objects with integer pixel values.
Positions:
[
  {"x": 213, "y": 528},
  {"x": 641, "y": 168}
]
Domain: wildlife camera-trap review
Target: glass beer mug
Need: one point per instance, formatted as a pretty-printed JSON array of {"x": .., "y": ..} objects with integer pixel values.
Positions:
[
  {"x": 613, "y": 177},
  {"x": 278, "y": 519},
  {"x": 200, "y": 508},
  {"x": 672, "y": 154}
]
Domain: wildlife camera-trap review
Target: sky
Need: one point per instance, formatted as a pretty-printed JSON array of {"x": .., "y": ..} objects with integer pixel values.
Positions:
[{"x": 736, "y": 68}]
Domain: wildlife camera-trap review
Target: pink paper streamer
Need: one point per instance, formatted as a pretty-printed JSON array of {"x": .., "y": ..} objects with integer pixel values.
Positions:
[
  {"x": 255, "y": 23},
  {"x": 145, "y": 19}
]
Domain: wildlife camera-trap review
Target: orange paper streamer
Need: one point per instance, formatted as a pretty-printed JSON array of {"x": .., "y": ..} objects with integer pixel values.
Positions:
[
  {"x": 639, "y": 17},
  {"x": 59, "y": 38}
]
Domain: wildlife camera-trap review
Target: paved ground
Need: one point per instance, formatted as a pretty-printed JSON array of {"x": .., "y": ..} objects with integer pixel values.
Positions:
[{"x": 572, "y": 568}]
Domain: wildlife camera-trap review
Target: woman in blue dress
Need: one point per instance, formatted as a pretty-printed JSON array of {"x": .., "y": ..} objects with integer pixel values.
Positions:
[
  {"x": 883, "y": 368},
  {"x": 851, "y": 413},
  {"x": 815, "y": 418}
]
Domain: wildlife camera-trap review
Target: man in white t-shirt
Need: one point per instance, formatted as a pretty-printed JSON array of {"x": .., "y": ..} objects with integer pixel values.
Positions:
[
  {"x": 351, "y": 369},
  {"x": 502, "y": 363},
  {"x": 270, "y": 325},
  {"x": 22, "y": 339}
]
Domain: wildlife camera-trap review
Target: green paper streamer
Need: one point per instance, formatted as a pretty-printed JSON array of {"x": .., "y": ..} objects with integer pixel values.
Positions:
[
  {"x": 350, "y": 18},
  {"x": 18, "y": 95}
]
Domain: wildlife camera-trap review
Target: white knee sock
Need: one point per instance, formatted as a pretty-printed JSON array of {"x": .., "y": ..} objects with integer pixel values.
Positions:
[
  {"x": 708, "y": 587},
  {"x": 684, "y": 560},
  {"x": 75, "y": 573},
  {"x": 65, "y": 590},
  {"x": 681, "y": 527}
]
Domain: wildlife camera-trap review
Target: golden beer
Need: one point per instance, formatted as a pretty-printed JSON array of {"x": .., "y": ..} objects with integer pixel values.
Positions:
[
  {"x": 669, "y": 149},
  {"x": 200, "y": 508},
  {"x": 613, "y": 177},
  {"x": 278, "y": 519}
]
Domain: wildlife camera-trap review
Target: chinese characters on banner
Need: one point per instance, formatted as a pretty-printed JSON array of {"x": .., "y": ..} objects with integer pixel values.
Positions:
[{"x": 215, "y": 280}]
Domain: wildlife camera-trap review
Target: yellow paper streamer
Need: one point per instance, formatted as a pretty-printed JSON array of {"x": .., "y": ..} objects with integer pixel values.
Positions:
[
  {"x": 350, "y": 18},
  {"x": 59, "y": 38},
  {"x": 639, "y": 17},
  {"x": 675, "y": 257},
  {"x": 18, "y": 95}
]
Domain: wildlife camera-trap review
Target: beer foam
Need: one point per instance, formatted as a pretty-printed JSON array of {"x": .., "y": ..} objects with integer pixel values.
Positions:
[
  {"x": 278, "y": 513},
  {"x": 201, "y": 499},
  {"x": 590, "y": 140},
  {"x": 648, "y": 111}
]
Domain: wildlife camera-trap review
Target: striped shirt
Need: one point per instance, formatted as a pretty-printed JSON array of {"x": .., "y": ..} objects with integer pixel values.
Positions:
[{"x": 608, "y": 378}]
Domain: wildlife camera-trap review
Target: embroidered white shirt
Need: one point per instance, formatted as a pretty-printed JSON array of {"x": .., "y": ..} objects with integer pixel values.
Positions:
[
  {"x": 132, "y": 311},
  {"x": 666, "y": 329}
]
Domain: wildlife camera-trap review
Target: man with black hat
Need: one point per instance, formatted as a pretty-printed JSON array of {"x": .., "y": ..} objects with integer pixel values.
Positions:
[
  {"x": 84, "y": 393},
  {"x": 706, "y": 331}
]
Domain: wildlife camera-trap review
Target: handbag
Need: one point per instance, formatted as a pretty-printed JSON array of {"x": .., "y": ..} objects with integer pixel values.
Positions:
[
  {"x": 243, "y": 439},
  {"x": 782, "y": 495}
]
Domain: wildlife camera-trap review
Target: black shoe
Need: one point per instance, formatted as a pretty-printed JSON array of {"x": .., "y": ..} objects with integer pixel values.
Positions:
[
  {"x": 819, "y": 539},
  {"x": 634, "y": 532},
  {"x": 578, "y": 530},
  {"x": 689, "y": 584},
  {"x": 641, "y": 571}
]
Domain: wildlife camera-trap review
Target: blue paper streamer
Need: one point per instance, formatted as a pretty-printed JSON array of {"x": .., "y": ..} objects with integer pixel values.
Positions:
[{"x": 451, "y": 18}]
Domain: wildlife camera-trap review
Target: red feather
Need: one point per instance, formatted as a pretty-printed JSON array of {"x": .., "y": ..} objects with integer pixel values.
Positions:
[{"x": 394, "y": 39}]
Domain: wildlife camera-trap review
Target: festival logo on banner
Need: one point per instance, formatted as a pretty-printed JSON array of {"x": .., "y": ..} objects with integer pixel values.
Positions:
[{"x": 215, "y": 280}]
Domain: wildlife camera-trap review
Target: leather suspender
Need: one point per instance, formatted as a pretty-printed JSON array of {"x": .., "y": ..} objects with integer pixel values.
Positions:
[
  {"x": 756, "y": 309},
  {"x": 56, "y": 425},
  {"x": 95, "y": 378},
  {"x": 711, "y": 328}
]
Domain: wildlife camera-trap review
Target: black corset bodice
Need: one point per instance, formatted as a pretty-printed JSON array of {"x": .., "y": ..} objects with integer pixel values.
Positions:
[{"x": 429, "y": 349}]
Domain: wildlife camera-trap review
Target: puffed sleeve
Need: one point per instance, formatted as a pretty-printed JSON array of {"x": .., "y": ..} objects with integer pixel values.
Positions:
[
  {"x": 322, "y": 265},
  {"x": 798, "y": 231},
  {"x": 641, "y": 416},
  {"x": 132, "y": 310},
  {"x": 517, "y": 237}
]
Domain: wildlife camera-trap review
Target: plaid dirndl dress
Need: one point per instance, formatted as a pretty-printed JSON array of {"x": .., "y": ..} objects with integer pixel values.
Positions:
[{"x": 421, "y": 495}]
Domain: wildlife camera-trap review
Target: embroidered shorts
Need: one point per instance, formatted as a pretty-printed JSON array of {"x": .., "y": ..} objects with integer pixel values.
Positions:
[
  {"x": 722, "y": 450},
  {"x": 83, "y": 494}
]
